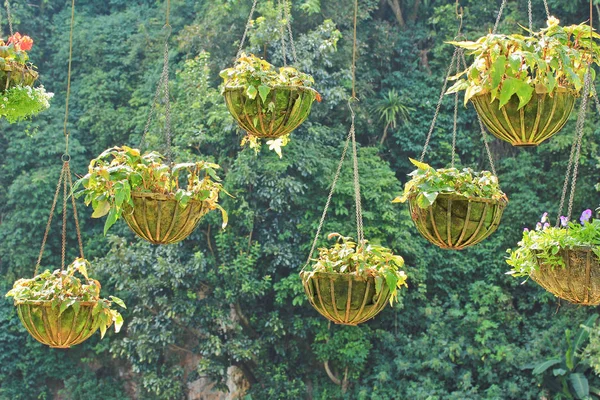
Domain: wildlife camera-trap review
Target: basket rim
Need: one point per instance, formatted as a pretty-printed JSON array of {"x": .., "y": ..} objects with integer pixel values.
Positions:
[
  {"x": 160, "y": 196},
  {"x": 574, "y": 248},
  {"x": 288, "y": 87},
  {"x": 503, "y": 200},
  {"x": 48, "y": 303},
  {"x": 538, "y": 90},
  {"x": 343, "y": 276}
]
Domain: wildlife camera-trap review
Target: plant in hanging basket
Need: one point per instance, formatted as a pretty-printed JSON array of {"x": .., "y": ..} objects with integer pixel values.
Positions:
[
  {"x": 350, "y": 284},
  {"x": 60, "y": 310},
  {"x": 151, "y": 195},
  {"x": 563, "y": 260},
  {"x": 453, "y": 209},
  {"x": 524, "y": 87},
  {"x": 267, "y": 103},
  {"x": 18, "y": 98}
]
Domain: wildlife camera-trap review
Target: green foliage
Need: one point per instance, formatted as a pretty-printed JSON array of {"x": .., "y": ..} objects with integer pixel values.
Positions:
[
  {"x": 364, "y": 260},
  {"x": 545, "y": 243},
  {"x": 427, "y": 183},
  {"x": 63, "y": 289},
  {"x": 21, "y": 102},
  {"x": 120, "y": 171},
  {"x": 569, "y": 373},
  {"x": 555, "y": 58}
]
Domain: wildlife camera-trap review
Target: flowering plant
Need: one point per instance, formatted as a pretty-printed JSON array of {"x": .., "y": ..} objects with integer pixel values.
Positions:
[
  {"x": 427, "y": 183},
  {"x": 63, "y": 289},
  {"x": 19, "y": 100},
  {"x": 506, "y": 65},
  {"x": 345, "y": 257},
  {"x": 545, "y": 243}
]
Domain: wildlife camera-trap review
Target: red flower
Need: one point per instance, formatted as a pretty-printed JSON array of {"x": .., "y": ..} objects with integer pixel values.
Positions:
[{"x": 26, "y": 43}]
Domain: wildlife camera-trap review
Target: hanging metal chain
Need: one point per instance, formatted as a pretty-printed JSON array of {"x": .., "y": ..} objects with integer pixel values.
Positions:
[
  {"x": 455, "y": 121},
  {"x": 328, "y": 202},
  {"x": 9, "y": 17},
  {"x": 49, "y": 223},
  {"x": 359, "y": 218},
  {"x": 280, "y": 17},
  {"x": 579, "y": 131},
  {"x": 530, "y": 14},
  {"x": 547, "y": 9},
  {"x": 248, "y": 25},
  {"x": 575, "y": 150},
  {"x": 484, "y": 134},
  {"x": 439, "y": 103},
  {"x": 75, "y": 215},
  {"x": 65, "y": 130},
  {"x": 162, "y": 87},
  {"x": 288, "y": 18},
  {"x": 502, "y": 5},
  {"x": 64, "y": 219}
]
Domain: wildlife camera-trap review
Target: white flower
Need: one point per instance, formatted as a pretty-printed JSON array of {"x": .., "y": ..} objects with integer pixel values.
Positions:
[
  {"x": 552, "y": 21},
  {"x": 479, "y": 64}
]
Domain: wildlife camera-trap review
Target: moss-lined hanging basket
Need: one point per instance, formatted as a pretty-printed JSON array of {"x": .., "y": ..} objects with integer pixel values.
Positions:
[
  {"x": 14, "y": 74},
  {"x": 345, "y": 299},
  {"x": 577, "y": 282},
  {"x": 536, "y": 122},
  {"x": 62, "y": 331},
  {"x": 283, "y": 110},
  {"x": 161, "y": 219},
  {"x": 456, "y": 222}
]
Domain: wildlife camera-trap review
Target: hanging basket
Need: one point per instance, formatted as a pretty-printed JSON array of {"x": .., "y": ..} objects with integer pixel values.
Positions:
[
  {"x": 160, "y": 219},
  {"x": 14, "y": 74},
  {"x": 292, "y": 106},
  {"x": 343, "y": 298},
  {"x": 61, "y": 332},
  {"x": 577, "y": 282},
  {"x": 536, "y": 122},
  {"x": 455, "y": 222}
]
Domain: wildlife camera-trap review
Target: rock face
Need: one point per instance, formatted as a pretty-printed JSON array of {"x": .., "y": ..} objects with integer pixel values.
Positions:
[{"x": 203, "y": 388}]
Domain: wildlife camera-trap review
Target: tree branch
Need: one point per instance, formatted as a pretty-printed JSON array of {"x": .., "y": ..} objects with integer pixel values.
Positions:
[
  {"x": 395, "y": 6},
  {"x": 333, "y": 378}
]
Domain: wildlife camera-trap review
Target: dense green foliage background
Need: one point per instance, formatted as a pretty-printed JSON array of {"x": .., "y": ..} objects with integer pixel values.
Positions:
[{"x": 463, "y": 329}]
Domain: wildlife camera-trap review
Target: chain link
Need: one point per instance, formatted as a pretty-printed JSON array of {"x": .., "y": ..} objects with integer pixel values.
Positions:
[
  {"x": 455, "y": 121},
  {"x": 547, "y": 8},
  {"x": 280, "y": 17},
  {"x": 502, "y": 5},
  {"x": 288, "y": 17},
  {"x": 9, "y": 17},
  {"x": 333, "y": 184},
  {"x": 530, "y": 14},
  {"x": 359, "y": 218},
  {"x": 248, "y": 24},
  {"x": 64, "y": 218},
  {"x": 49, "y": 223},
  {"x": 439, "y": 104},
  {"x": 75, "y": 215},
  {"x": 579, "y": 130}
]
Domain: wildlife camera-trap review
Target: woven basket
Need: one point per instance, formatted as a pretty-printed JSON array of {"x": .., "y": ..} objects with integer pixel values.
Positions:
[
  {"x": 160, "y": 219},
  {"x": 292, "y": 107},
  {"x": 343, "y": 298},
  {"x": 14, "y": 74},
  {"x": 537, "y": 121},
  {"x": 577, "y": 282},
  {"x": 61, "y": 332},
  {"x": 455, "y": 222}
]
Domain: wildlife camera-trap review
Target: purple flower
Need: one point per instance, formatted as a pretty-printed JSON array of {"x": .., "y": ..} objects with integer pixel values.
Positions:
[
  {"x": 526, "y": 230},
  {"x": 538, "y": 227},
  {"x": 546, "y": 225},
  {"x": 544, "y": 217},
  {"x": 564, "y": 222},
  {"x": 585, "y": 216}
]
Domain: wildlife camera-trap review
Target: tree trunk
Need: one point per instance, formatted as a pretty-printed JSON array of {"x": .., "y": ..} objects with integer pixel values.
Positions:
[
  {"x": 395, "y": 6},
  {"x": 415, "y": 11}
]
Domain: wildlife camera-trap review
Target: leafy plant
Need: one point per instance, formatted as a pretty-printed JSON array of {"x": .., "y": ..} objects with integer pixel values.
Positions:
[
  {"x": 568, "y": 371},
  {"x": 428, "y": 183},
  {"x": 63, "y": 289},
  {"x": 259, "y": 78},
  {"x": 18, "y": 99},
  {"x": 391, "y": 109},
  {"x": 20, "y": 102},
  {"x": 119, "y": 172},
  {"x": 364, "y": 260},
  {"x": 555, "y": 58},
  {"x": 545, "y": 242}
]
